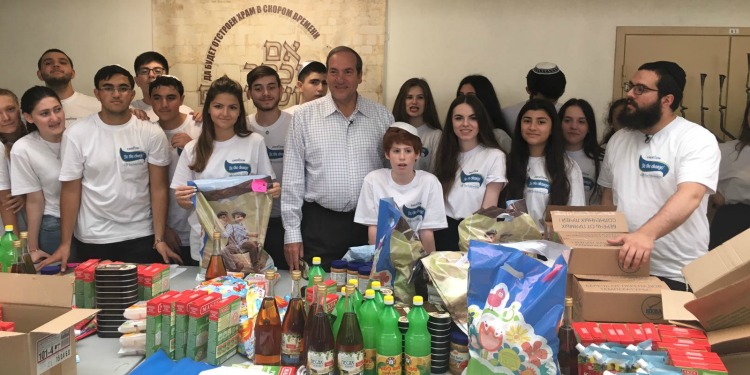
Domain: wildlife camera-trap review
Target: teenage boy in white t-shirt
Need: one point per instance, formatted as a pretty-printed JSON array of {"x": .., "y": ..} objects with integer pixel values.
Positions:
[
  {"x": 417, "y": 193},
  {"x": 659, "y": 170},
  {"x": 55, "y": 68},
  {"x": 114, "y": 181},
  {"x": 167, "y": 94},
  {"x": 148, "y": 66},
  {"x": 311, "y": 83},
  {"x": 264, "y": 89}
]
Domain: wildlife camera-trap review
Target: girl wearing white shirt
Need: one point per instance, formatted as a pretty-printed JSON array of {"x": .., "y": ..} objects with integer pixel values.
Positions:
[
  {"x": 225, "y": 147},
  {"x": 35, "y": 167},
  {"x": 732, "y": 197},
  {"x": 11, "y": 130},
  {"x": 538, "y": 168},
  {"x": 415, "y": 105},
  {"x": 469, "y": 166},
  {"x": 579, "y": 131}
]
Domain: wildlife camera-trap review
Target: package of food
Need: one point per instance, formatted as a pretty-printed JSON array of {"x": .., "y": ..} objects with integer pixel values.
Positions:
[
  {"x": 197, "y": 334},
  {"x": 133, "y": 326},
  {"x": 136, "y": 311},
  {"x": 498, "y": 225}
]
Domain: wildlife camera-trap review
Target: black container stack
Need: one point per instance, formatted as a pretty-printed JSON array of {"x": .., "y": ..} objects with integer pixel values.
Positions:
[{"x": 116, "y": 289}]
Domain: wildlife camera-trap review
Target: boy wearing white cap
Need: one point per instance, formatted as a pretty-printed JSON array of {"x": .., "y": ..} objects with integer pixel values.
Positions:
[
  {"x": 417, "y": 193},
  {"x": 544, "y": 81}
]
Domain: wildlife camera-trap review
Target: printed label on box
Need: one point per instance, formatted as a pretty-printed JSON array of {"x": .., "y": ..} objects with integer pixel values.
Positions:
[{"x": 52, "y": 350}]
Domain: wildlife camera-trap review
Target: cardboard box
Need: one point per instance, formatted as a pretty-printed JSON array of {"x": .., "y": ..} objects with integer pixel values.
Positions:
[
  {"x": 586, "y": 233},
  {"x": 153, "y": 322},
  {"x": 223, "y": 327},
  {"x": 719, "y": 303},
  {"x": 197, "y": 336},
  {"x": 736, "y": 364},
  {"x": 181, "y": 321},
  {"x": 168, "y": 322},
  {"x": 79, "y": 293},
  {"x": 44, "y": 340},
  {"x": 601, "y": 298}
]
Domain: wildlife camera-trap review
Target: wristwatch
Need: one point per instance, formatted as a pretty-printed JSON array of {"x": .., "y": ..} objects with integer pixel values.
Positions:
[{"x": 157, "y": 241}]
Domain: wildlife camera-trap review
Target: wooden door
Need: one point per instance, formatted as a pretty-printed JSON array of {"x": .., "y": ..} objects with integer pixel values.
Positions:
[{"x": 737, "y": 89}]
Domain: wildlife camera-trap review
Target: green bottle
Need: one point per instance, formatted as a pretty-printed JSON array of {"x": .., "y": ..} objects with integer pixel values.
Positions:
[
  {"x": 389, "y": 341},
  {"x": 369, "y": 316},
  {"x": 378, "y": 294},
  {"x": 350, "y": 354},
  {"x": 315, "y": 270},
  {"x": 7, "y": 254},
  {"x": 357, "y": 296},
  {"x": 339, "y": 312},
  {"x": 418, "y": 358}
]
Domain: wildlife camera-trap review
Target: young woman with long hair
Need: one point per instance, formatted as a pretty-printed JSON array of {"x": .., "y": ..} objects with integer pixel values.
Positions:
[
  {"x": 579, "y": 131},
  {"x": 11, "y": 130},
  {"x": 415, "y": 105},
  {"x": 481, "y": 86}
]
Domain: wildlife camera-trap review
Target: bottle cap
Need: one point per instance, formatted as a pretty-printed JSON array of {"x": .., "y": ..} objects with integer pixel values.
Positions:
[
  {"x": 388, "y": 300},
  {"x": 364, "y": 270},
  {"x": 343, "y": 290},
  {"x": 353, "y": 266},
  {"x": 8, "y": 228},
  {"x": 369, "y": 293},
  {"x": 350, "y": 289},
  {"x": 270, "y": 275},
  {"x": 458, "y": 337},
  {"x": 316, "y": 261},
  {"x": 417, "y": 301},
  {"x": 317, "y": 279},
  {"x": 339, "y": 264},
  {"x": 24, "y": 234},
  {"x": 376, "y": 285},
  {"x": 216, "y": 235},
  {"x": 322, "y": 289},
  {"x": 16, "y": 243},
  {"x": 296, "y": 275},
  {"x": 354, "y": 282},
  {"x": 568, "y": 301}
]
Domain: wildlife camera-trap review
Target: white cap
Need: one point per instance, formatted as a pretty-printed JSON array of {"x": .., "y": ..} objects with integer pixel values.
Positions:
[
  {"x": 408, "y": 127},
  {"x": 546, "y": 68}
]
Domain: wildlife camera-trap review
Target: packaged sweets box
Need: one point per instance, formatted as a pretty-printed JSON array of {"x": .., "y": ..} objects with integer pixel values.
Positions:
[{"x": 44, "y": 340}]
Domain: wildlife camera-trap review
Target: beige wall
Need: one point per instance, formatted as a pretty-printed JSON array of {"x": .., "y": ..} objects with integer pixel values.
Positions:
[{"x": 440, "y": 40}]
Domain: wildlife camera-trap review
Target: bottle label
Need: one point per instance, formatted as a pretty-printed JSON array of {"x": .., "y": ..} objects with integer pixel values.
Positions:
[
  {"x": 458, "y": 360},
  {"x": 339, "y": 278},
  {"x": 351, "y": 362},
  {"x": 320, "y": 362},
  {"x": 417, "y": 365},
  {"x": 370, "y": 355},
  {"x": 291, "y": 348},
  {"x": 388, "y": 364}
]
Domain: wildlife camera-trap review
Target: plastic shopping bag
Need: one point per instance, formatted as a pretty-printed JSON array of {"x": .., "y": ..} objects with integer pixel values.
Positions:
[
  {"x": 515, "y": 305},
  {"x": 497, "y": 225}
]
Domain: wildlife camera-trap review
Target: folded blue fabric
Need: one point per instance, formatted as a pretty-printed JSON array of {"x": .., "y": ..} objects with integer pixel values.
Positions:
[{"x": 160, "y": 364}]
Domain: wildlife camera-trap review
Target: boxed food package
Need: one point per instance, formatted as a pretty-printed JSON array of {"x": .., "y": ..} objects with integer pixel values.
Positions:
[
  {"x": 153, "y": 281},
  {"x": 223, "y": 325},
  {"x": 181, "y": 321},
  {"x": 79, "y": 283},
  {"x": 197, "y": 333},
  {"x": 44, "y": 339},
  {"x": 167, "y": 308},
  {"x": 153, "y": 322},
  {"x": 602, "y": 298}
]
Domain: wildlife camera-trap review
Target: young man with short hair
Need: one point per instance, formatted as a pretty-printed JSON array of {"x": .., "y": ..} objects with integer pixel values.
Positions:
[
  {"x": 114, "y": 181},
  {"x": 264, "y": 89},
  {"x": 543, "y": 81},
  {"x": 311, "y": 82},
  {"x": 55, "y": 68},
  {"x": 148, "y": 66}
]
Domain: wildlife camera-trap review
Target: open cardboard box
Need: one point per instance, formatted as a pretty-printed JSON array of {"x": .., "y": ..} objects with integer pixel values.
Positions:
[
  {"x": 600, "y": 298},
  {"x": 44, "y": 340},
  {"x": 720, "y": 302}
]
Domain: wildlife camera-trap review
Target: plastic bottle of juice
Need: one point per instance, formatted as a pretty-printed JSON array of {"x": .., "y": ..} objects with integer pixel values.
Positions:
[
  {"x": 268, "y": 328},
  {"x": 339, "y": 311},
  {"x": 315, "y": 270},
  {"x": 418, "y": 355},
  {"x": 350, "y": 354},
  {"x": 293, "y": 326},
  {"x": 357, "y": 297},
  {"x": 369, "y": 316},
  {"x": 319, "y": 344},
  {"x": 28, "y": 263},
  {"x": 389, "y": 341},
  {"x": 7, "y": 256},
  {"x": 376, "y": 286}
]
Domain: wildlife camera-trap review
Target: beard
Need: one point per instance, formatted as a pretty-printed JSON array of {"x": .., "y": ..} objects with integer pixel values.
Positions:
[
  {"x": 640, "y": 118},
  {"x": 59, "y": 81}
]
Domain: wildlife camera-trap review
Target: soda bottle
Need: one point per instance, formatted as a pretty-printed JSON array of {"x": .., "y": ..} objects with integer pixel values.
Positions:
[
  {"x": 339, "y": 311},
  {"x": 7, "y": 256},
  {"x": 216, "y": 263},
  {"x": 18, "y": 266},
  {"x": 315, "y": 270},
  {"x": 389, "y": 341},
  {"x": 25, "y": 255},
  {"x": 376, "y": 286},
  {"x": 319, "y": 345},
  {"x": 369, "y": 315},
  {"x": 357, "y": 297},
  {"x": 268, "y": 328},
  {"x": 568, "y": 354},
  {"x": 350, "y": 353},
  {"x": 317, "y": 280},
  {"x": 292, "y": 344},
  {"x": 418, "y": 355}
]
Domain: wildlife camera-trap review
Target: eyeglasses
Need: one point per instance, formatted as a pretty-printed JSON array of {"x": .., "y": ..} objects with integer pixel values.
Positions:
[
  {"x": 638, "y": 89},
  {"x": 112, "y": 89},
  {"x": 145, "y": 71}
]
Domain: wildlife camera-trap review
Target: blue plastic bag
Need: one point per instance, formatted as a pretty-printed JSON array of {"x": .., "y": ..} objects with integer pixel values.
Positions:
[{"x": 515, "y": 305}]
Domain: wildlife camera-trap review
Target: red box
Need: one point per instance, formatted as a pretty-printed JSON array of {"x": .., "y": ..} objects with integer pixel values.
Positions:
[
  {"x": 220, "y": 307},
  {"x": 583, "y": 332},
  {"x": 200, "y": 307},
  {"x": 665, "y": 346},
  {"x": 651, "y": 332},
  {"x": 166, "y": 305},
  {"x": 153, "y": 306},
  {"x": 81, "y": 267},
  {"x": 674, "y": 331},
  {"x": 610, "y": 332},
  {"x": 596, "y": 333},
  {"x": 695, "y": 343},
  {"x": 698, "y": 365},
  {"x": 181, "y": 305},
  {"x": 639, "y": 335},
  {"x": 8, "y": 326},
  {"x": 709, "y": 357},
  {"x": 623, "y": 334}
]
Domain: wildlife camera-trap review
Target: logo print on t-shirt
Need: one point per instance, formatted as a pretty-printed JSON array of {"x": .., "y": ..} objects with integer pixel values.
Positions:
[
  {"x": 412, "y": 213},
  {"x": 652, "y": 168},
  {"x": 424, "y": 152},
  {"x": 474, "y": 178},
  {"x": 128, "y": 156},
  {"x": 588, "y": 184},
  {"x": 275, "y": 154},
  {"x": 534, "y": 183},
  {"x": 236, "y": 167}
]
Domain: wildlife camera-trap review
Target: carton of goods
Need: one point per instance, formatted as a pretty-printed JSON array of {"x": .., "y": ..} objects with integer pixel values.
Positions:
[
  {"x": 153, "y": 281},
  {"x": 719, "y": 304},
  {"x": 44, "y": 339},
  {"x": 153, "y": 322},
  {"x": 181, "y": 321},
  {"x": 600, "y": 298},
  {"x": 79, "y": 283},
  {"x": 223, "y": 325},
  {"x": 197, "y": 334},
  {"x": 167, "y": 308}
]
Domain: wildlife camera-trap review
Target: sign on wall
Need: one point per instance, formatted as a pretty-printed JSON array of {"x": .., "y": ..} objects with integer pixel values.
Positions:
[{"x": 203, "y": 40}]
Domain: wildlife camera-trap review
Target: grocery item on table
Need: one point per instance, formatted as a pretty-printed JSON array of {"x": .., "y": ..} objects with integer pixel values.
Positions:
[
  {"x": 198, "y": 322},
  {"x": 417, "y": 347},
  {"x": 294, "y": 326},
  {"x": 338, "y": 272},
  {"x": 179, "y": 326},
  {"x": 350, "y": 353},
  {"x": 318, "y": 339},
  {"x": 116, "y": 289},
  {"x": 268, "y": 328},
  {"x": 389, "y": 341},
  {"x": 315, "y": 270},
  {"x": 153, "y": 322},
  {"x": 223, "y": 328}
]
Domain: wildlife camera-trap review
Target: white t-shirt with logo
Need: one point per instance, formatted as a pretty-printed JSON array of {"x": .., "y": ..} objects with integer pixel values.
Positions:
[
  {"x": 79, "y": 106},
  {"x": 421, "y": 200},
  {"x": 178, "y": 216},
  {"x": 588, "y": 170},
  {"x": 237, "y": 156},
  {"x": 536, "y": 191},
  {"x": 643, "y": 176},
  {"x": 430, "y": 140},
  {"x": 734, "y": 173},
  {"x": 35, "y": 167},
  {"x": 140, "y": 104},
  {"x": 275, "y": 138},
  {"x": 112, "y": 161},
  {"x": 476, "y": 168}
]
